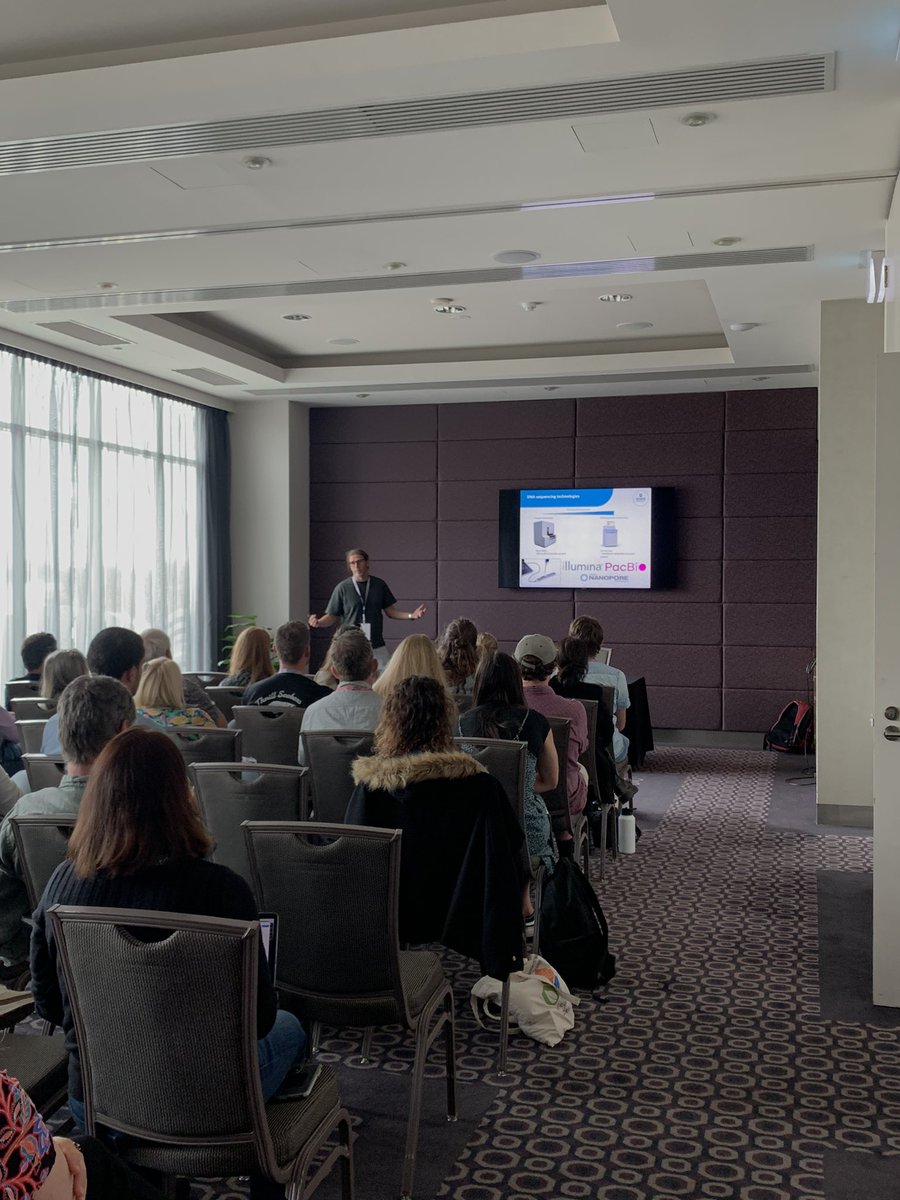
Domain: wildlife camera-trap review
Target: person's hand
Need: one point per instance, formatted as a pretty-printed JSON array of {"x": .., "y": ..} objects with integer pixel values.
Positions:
[
  {"x": 418, "y": 612},
  {"x": 313, "y": 621},
  {"x": 75, "y": 1162}
]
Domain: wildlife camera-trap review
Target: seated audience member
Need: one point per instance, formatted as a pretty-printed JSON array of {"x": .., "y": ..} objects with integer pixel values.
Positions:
[
  {"x": 160, "y": 698},
  {"x": 35, "y": 649},
  {"x": 536, "y": 655},
  {"x": 36, "y": 1166},
  {"x": 10, "y": 749},
  {"x": 91, "y": 710},
  {"x": 290, "y": 685},
  {"x": 460, "y": 867},
  {"x": 499, "y": 711},
  {"x": 590, "y": 631},
  {"x": 9, "y": 793},
  {"x": 140, "y": 843},
  {"x": 60, "y": 668},
  {"x": 486, "y": 644},
  {"x": 458, "y": 652},
  {"x": 324, "y": 676},
  {"x": 116, "y": 652},
  {"x": 353, "y": 704},
  {"x": 251, "y": 658},
  {"x": 415, "y": 655},
  {"x": 157, "y": 645}
]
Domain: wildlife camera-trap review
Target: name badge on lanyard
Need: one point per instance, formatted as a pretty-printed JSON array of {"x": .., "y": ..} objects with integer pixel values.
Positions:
[{"x": 364, "y": 625}]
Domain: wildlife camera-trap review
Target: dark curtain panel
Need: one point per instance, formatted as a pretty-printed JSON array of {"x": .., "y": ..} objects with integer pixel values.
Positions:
[{"x": 216, "y": 501}]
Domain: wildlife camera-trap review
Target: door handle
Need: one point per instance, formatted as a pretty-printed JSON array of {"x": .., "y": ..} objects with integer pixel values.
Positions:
[{"x": 892, "y": 733}]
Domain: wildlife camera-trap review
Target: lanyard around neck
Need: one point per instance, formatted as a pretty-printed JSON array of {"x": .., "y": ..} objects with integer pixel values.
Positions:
[{"x": 363, "y": 598}]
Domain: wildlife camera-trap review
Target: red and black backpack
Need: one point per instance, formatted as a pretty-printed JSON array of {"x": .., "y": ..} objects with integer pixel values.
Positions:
[{"x": 792, "y": 733}]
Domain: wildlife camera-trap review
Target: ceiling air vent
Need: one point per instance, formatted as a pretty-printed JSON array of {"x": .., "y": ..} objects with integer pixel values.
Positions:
[
  {"x": 701, "y": 86},
  {"x": 212, "y": 377},
  {"x": 84, "y": 333}
]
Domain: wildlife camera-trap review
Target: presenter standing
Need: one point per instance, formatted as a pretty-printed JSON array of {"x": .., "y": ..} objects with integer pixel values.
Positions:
[{"x": 361, "y": 600}]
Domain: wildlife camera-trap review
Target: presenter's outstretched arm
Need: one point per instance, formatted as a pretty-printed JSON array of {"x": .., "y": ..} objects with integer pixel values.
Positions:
[
  {"x": 315, "y": 622},
  {"x": 415, "y": 615}
]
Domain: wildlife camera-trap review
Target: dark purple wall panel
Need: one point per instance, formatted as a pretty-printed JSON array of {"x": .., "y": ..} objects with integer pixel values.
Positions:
[
  {"x": 780, "y": 408},
  {"x": 515, "y": 419},
  {"x": 417, "y": 487},
  {"x": 387, "y": 462},
  {"x": 362, "y": 426},
  {"x": 657, "y": 414}
]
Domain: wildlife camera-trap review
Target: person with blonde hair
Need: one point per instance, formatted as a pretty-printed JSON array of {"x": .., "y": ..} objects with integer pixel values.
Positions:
[
  {"x": 251, "y": 658},
  {"x": 160, "y": 697},
  {"x": 486, "y": 644},
  {"x": 415, "y": 655}
]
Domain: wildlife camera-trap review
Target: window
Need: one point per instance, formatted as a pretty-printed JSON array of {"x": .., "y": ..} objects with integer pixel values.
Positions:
[{"x": 105, "y": 487}]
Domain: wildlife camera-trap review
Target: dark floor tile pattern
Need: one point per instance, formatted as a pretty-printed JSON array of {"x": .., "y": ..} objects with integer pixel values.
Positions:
[{"x": 708, "y": 1071}]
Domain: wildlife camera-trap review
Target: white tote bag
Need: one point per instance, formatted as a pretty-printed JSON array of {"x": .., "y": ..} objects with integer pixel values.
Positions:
[{"x": 539, "y": 1001}]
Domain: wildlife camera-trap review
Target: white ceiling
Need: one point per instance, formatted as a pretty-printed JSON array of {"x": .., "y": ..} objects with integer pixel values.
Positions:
[{"x": 207, "y": 256}]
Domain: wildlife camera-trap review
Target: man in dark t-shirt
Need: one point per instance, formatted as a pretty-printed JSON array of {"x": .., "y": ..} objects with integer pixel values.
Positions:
[
  {"x": 290, "y": 685},
  {"x": 361, "y": 600}
]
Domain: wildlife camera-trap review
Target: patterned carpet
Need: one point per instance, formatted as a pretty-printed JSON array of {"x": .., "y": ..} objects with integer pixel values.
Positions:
[{"x": 708, "y": 1070}]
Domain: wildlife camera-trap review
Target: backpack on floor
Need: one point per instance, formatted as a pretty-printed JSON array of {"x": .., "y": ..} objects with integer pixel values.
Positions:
[
  {"x": 574, "y": 933},
  {"x": 792, "y": 732}
]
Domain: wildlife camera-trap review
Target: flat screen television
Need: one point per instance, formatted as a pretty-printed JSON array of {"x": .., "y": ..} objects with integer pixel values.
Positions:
[{"x": 614, "y": 539}]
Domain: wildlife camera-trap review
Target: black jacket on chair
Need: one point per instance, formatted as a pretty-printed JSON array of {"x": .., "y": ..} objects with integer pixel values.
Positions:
[{"x": 460, "y": 863}]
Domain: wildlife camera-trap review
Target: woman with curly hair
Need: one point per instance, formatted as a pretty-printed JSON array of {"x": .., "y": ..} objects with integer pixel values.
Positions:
[{"x": 458, "y": 652}]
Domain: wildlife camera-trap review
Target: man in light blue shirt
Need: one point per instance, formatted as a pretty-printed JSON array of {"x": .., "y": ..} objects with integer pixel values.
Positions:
[
  {"x": 590, "y": 631},
  {"x": 353, "y": 704}
]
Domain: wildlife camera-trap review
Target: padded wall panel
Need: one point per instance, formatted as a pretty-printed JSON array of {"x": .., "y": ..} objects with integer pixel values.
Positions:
[
  {"x": 685, "y": 708},
  {"x": 548, "y": 456},
  {"x": 755, "y": 710},
  {"x": 356, "y": 501},
  {"x": 653, "y": 623},
  {"x": 654, "y": 453},
  {"x": 684, "y": 413},
  {"x": 388, "y": 462},
  {"x": 700, "y": 538},
  {"x": 477, "y": 579},
  {"x": 670, "y": 666},
  {"x": 512, "y": 419},
  {"x": 781, "y": 581},
  {"x": 701, "y": 579},
  {"x": 390, "y": 423},
  {"x": 382, "y": 540},
  {"x": 466, "y": 540},
  {"x": 770, "y": 495},
  {"x": 766, "y": 667},
  {"x": 764, "y": 451},
  {"x": 509, "y": 622},
  {"x": 780, "y": 408},
  {"x": 770, "y": 625},
  {"x": 477, "y": 499},
  {"x": 410, "y": 578},
  {"x": 698, "y": 495},
  {"x": 766, "y": 538}
]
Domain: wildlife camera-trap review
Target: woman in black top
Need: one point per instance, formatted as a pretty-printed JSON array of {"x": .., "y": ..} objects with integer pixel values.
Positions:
[
  {"x": 139, "y": 842},
  {"x": 499, "y": 711},
  {"x": 573, "y": 661}
]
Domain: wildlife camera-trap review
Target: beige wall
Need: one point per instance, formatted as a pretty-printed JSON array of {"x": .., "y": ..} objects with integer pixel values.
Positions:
[
  {"x": 270, "y": 510},
  {"x": 852, "y": 335}
]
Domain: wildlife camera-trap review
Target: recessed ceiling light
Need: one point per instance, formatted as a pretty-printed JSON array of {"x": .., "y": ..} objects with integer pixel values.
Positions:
[
  {"x": 760, "y": 378},
  {"x": 343, "y": 341},
  {"x": 257, "y": 162},
  {"x": 634, "y": 325},
  {"x": 107, "y": 285},
  {"x": 552, "y": 388},
  {"x": 727, "y": 241},
  {"x": 530, "y": 305},
  {"x": 393, "y": 266},
  {"x": 296, "y": 317},
  {"x": 743, "y": 326},
  {"x": 449, "y": 310},
  {"x": 695, "y": 120},
  {"x": 362, "y": 395},
  {"x": 615, "y": 297},
  {"x": 515, "y": 258}
]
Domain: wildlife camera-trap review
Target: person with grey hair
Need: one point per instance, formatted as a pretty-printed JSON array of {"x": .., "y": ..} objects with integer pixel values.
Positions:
[
  {"x": 157, "y": 645},
  {"x": 353, "y": 704},
  {"x": 91, "y": 711}
]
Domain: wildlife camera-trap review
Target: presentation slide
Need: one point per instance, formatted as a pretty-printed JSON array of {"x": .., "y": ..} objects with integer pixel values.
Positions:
[{"x": 596, "y": 537}]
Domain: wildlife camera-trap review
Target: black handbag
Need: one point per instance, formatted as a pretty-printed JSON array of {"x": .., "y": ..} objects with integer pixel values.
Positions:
[{"x": 574, "y": 933}]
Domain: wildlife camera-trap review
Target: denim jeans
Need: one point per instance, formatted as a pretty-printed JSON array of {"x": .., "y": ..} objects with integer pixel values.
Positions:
[{"x": 283, "y": 1045}]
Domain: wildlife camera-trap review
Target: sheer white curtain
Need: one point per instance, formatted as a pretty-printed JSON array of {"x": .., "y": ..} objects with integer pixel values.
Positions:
[{"x": 104, "y": 486}]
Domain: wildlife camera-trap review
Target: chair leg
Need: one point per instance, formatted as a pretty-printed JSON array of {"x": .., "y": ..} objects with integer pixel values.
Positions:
[
  {"x": 415, "y": 1108},
  {"x": 315, "y": 1037},
  {"x": 604, "y": 831},
  {"x": 365, "y": 1055},
  {"x": 450, "y": 1047},
  {"x": 504, "y": 1029},
  {"x": 345, "y": 1138}
]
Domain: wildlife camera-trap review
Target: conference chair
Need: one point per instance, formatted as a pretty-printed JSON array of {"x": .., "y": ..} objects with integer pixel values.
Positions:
[
  {"x": 32, "y": 708},
  {"x": 336, "y": 889},
  {"x": 43, "y": 771},
  {"x": 271, "y": 732},
  {"x": 609, "y": 696},
  {"x": 205, "y": 679},
  {"x": 589, "y": 761},
  {"x": 557, "y": 800},
  {"x": 227, "y": 797},
  {"x": 31, "y": 735},
  {"x": 330, "y": 756},
  {"x": 206, "y": 745},
  {"x": 25, "y": 688},
  {"x": 225, "y": 698},
  {"x": 190, "y": 1096},
  {"x": 41, "y": 843}
]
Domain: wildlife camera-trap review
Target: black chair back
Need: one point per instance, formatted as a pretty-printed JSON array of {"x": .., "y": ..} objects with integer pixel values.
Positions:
[
  {"x": 271, "y": 732},
  {"x": 41, "y": 842},
  {"x": 43, "y": 771},
  {"x": 206, "y": 745},
  {"x": 330, "y": 756},
  {"x": 225, "y": 698}
]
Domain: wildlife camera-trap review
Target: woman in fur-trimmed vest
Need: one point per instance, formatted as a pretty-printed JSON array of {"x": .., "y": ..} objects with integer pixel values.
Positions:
[{"x": 461, "y": 875}]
